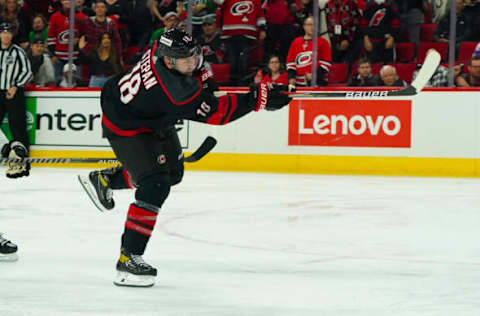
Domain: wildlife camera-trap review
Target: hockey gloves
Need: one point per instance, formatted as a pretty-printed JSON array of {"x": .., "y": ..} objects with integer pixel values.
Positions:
[
  {"x": 269, "y": 96},
  {"x": 15, "y": 150}
]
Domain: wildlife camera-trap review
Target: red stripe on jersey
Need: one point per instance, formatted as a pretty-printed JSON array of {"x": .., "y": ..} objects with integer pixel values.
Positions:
[
  {"x": 221, "y": 112},
  {"x": 139, "y": 229},
  {"x": 142, "y": 216},
  {"x": 233, "y": 100},
  {"x": 117, "y": 130},
  {"x": 128, "y": 179},
  {"x": 163, "y": 86}
]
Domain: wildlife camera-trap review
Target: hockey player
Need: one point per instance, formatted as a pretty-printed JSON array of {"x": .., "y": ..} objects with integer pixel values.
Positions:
[
  {"x": 8, "y": 250},
  {"x": 140, "y": 108},
  {"x": 300, "y": 56}
]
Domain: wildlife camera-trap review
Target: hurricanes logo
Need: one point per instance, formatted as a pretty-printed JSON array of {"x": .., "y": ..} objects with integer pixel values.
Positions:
[
  {"x": 378, "y": 17},
  {"x": 242, "y": 8},
  {"x": 303, "y": 59},
  {"x": 64, "y": 36}
]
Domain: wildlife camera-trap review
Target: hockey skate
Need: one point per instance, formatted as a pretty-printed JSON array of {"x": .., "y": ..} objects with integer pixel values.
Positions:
[
  {"x": 97, "y": 187},
  {"x": 8, "y": 250},
  {"x": 132, "y": 270}
]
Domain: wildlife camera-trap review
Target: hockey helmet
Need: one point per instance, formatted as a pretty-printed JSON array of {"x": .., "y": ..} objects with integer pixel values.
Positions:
[{"x": 176, "y": 43}]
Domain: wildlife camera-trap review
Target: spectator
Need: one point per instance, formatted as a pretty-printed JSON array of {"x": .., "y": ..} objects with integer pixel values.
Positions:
[
  {"x": 96, "y": 25},
  {"x": 299, "y": 59},
  {"x": 381, "y": 26},
  {"x": 10, "y": 14},
  {"x": 80, "y": 7},
  {"x": 43, "y": 7},
  {"x": 343, "y": 23},
  {"x": 116, "y": 10},
  {"x": 472, "y": 78},
  {"x": 139, "y": 23},
  {"x": 280, "y": 28},
  {"x": 275, "y": 72},
  {"x": 440, "y": 76},
  {"x": 103, "y": 61},
  {"x": 301, "y": 10},
  {"x": 39, "y": 28},
  {"x": 202, "y": 9},
  {"x": 213, "y": 48},
  {"x": 170, "y": 21},
  {"x": 161, "y": 7},
  {"x": 240, "y": 31},
  {"x": 476, "y": 52},
  {"x": 42, "y": 68},
  {"x": 412, "y": 13},
  {"x": 364, "y": 76},
  {"x": 64, "y": 80},
  {"x": 389, "y": 77},
  {"x": 464, "y": 26},
  {"x": 58, "y": 37}
]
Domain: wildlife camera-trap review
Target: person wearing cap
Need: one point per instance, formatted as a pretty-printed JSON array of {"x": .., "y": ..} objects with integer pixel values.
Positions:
[
  {"x": 66, "y": 71},
  {"x": 15, "y": 73},
  {"x": 42, "y": 67},
  {"x": 212, "y": 45},
  {"x": 202, "y": 9},
  {"x": 170, "y": 20}
]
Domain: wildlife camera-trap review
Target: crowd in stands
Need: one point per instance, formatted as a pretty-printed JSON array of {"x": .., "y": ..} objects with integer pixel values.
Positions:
[{"x": 360, "y": 43}]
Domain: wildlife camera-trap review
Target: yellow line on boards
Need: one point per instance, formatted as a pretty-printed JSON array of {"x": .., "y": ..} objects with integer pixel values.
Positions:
[{"x": 311, "y": 164}]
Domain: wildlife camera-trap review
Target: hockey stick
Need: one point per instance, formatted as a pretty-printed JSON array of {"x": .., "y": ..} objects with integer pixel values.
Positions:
[
  {"x": 204, "y": 149},
  {"x": 432, "y": 60}
]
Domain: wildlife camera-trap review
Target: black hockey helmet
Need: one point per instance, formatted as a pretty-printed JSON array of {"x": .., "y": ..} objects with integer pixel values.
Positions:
[{"x": 176, "y": 43}]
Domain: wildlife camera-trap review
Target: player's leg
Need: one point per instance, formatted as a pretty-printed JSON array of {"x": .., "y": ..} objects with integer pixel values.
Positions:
[
  {"x": 175, "y": 158},
  {"x": 145, "y": 158},
  {"x": 18, "y": 147},
  {"x": 8, "y": 250}
]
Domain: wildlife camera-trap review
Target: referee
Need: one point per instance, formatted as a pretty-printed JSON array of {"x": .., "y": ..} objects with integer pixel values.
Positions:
[{"x": 15, "y": 72}]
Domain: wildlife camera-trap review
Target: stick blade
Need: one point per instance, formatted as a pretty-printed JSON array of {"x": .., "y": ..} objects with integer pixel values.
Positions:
[
  {"x": 432, "y": 60},
  {"x": 204, "y": 149}
]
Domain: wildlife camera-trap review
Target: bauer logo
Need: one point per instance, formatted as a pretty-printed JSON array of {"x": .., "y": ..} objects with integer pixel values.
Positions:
[{"x": 350, "y": 123}]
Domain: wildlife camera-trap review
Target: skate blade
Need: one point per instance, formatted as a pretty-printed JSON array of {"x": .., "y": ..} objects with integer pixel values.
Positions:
[
  {"x": 128, "y": 279},
  {"x": 92, "y": 194},
  {"x": 9, "y": 257}
]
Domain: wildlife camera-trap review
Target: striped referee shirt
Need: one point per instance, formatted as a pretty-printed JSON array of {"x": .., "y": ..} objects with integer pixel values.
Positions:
[{"x": 15, "y": 69}]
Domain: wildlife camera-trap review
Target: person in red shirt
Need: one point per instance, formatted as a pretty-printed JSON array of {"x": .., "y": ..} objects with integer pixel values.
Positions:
[
  {"x": 275, "y": 72},
  {"x": 300, "y": 56}
]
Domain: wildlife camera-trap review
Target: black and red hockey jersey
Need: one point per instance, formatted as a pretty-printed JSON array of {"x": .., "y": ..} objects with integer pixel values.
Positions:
[
  {"x": 59, "y": 34},
  {"x": 380, "y": 21},
  {"x": 241, "y": 17},
  {"x": 300, "y": 56},
  {"x": 150, "y": 96}
]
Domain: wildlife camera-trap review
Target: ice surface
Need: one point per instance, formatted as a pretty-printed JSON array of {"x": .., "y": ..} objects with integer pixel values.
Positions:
[{"x": 229, "y": 244}]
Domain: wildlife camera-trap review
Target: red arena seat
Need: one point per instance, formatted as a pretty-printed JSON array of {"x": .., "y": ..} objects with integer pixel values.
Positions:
[
  {"x": 221, "y": 73},
  {"x": 441, "y": 47},
  {"x": 405, "y": 70},
  {"x": 466, "y": 51},
  {"x": 338, "y": 73},
  {"x": 426, "y": 32},
  {"x": 405, "y": 51}
]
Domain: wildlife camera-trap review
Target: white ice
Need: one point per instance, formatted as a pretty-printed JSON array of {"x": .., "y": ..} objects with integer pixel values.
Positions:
[{"x": 229, "y": 244}]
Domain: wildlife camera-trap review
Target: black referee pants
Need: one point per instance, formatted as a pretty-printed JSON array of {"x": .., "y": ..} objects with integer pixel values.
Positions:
[{"x": 17, "y": 116}]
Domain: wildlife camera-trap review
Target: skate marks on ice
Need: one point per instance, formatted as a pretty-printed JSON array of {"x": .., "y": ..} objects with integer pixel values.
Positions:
[{"x": 250, "y": 244}]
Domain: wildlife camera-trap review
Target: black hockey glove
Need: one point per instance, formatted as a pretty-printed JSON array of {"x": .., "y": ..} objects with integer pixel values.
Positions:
[
  {"x": 20, "y": 168},
  {"x": 269, "y": 96}
]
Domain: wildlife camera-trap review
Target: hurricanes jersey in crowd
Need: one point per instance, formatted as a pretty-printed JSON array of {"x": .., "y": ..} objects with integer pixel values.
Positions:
[
  {"x": 300, "y": 55},
  {"x": 150, "y": 96},
  {"x": 59, "y": 34},
  {"x": 241, "y": 17}
]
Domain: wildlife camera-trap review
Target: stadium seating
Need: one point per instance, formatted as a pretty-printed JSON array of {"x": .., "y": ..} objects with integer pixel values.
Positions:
[
  {"x": 338, "y": 73},
  {"x": 405, "y": 70},
  {"x": 441, "y": 47},
  {"x": 405, "y": 51},
  {"x": 466, "y": 51},
  {"x": 426, "y": 32},
  {"x": 221, "y": 73}
]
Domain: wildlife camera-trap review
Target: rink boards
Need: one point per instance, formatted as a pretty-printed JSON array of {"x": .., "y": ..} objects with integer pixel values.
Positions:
[{"x": 435, "y": 133}]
